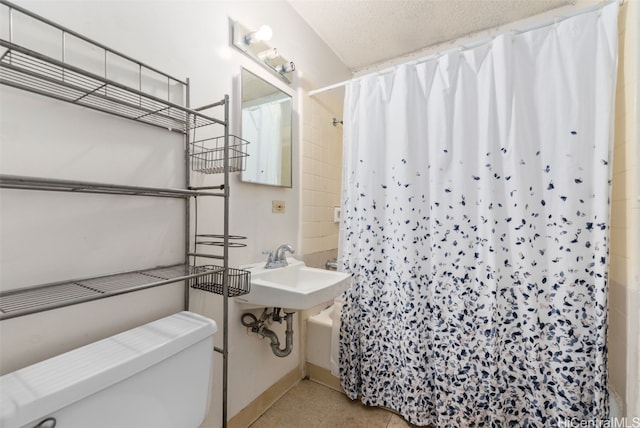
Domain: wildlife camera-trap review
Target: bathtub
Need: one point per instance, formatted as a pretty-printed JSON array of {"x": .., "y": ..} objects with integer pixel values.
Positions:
[
  {"x": 322, "y": 353},
  {"x": 321, "y": 349},
  {"x": 322, "y": 346}
]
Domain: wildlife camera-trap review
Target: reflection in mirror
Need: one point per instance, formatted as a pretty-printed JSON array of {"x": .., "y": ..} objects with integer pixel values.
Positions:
[{"x": 266, "y": 123}]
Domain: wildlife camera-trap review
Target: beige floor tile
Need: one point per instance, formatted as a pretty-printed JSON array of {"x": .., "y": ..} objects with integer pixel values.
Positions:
[
  {"x": 357, "y": 416},
  {"x": 311, "y": 405},
  {"x": 399, "y": 422},
  {"x": 266, "y": 421}
]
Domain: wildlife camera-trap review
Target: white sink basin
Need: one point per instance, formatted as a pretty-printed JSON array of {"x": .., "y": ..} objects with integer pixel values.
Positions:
[{"x": 294, "y": 287}]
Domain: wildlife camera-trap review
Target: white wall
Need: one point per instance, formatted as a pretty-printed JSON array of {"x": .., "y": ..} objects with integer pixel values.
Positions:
[{"x": 49, "y": 237}]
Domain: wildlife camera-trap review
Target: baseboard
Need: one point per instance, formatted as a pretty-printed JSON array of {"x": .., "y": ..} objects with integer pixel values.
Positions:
[
  {"x": 257, "y": 407},
  {"x": 323, "y": 376}
]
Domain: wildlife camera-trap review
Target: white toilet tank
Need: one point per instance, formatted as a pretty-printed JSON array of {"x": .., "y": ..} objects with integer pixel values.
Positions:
[{"x": 153, "y": 376}]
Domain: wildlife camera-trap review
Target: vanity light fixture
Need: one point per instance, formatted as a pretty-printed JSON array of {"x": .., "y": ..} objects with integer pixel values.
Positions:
[
  {"x": 254, "y": 44},
  {"x": 269, "y": 54}
]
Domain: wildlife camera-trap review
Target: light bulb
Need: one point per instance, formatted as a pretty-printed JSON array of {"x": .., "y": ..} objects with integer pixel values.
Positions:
[
  {"x": 263, "y": 34},
  {"x": 287, "y": 67}
]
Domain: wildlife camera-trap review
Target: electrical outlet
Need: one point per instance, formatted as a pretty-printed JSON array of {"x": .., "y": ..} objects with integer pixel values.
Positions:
[{"x": 277, "y": 207}]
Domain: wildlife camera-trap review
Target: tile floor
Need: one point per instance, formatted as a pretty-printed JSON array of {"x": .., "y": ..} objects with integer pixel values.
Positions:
[{"x": 311, "y": 405}]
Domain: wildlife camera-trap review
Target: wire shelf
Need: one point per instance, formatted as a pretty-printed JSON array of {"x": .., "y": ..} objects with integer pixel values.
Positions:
[
  {"x": 207, "y": 155},
  {"x": 239, "y": 281},
  {"x": 48, "y": 184},
  {"x": 218, "y": 240},
  {"x": 33, "y": 71},
  {"x": 30, "y": 300},
  {"x": 30, "y": 71}
]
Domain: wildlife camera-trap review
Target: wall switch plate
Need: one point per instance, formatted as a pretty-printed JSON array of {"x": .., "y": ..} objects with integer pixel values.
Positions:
[
  {"x": 277, "y": 207},
  {"x": 337, "y": 212}
]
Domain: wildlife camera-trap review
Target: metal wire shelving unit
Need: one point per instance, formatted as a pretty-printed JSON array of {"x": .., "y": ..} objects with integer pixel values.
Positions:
[{"x": 155, "y": 98}]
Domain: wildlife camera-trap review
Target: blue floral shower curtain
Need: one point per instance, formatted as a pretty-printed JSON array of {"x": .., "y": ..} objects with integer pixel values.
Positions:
[{"x": 475, "y": 225}]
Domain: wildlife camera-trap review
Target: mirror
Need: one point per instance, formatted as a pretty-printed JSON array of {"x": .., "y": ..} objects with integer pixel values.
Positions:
[{"x": 266, "y": 124}]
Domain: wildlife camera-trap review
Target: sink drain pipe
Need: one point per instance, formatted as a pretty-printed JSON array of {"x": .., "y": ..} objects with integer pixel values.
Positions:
[
  {"x": 258, "y": 326},
  {"x": 275, "y": 342}
]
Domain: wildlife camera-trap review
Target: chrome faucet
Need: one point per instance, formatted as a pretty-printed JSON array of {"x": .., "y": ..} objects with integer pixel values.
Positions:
[
  {"x": 331, "y": 264},
  {"x": 278, "y": 259}
]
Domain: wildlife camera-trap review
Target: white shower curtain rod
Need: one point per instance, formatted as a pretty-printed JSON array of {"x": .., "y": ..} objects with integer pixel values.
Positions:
[{"x": 468, "y": 46}]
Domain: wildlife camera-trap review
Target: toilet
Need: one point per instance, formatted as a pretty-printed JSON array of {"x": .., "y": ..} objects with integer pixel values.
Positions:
[{"x": 156, "y": 375}]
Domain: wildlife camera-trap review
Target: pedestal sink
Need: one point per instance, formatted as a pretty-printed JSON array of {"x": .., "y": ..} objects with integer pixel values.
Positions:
[{"x": 295, "y": 287}]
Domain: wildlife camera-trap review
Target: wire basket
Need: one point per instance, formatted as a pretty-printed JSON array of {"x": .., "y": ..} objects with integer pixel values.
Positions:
[
  {"x": 207, "y": 155},
  {"x": 239, "y": 281}
]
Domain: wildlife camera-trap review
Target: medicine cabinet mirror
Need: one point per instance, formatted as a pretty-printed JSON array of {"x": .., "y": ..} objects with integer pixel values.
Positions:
[{"x": 266, "y": 124}]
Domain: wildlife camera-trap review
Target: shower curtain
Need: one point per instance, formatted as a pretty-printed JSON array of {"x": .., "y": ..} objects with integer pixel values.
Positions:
[
  {"x": 475, "y": 227},
  {"x": 262, "y": 124}
]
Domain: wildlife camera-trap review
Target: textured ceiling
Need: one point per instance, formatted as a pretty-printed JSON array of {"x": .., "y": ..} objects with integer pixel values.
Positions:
[{"x": 367, "y": 32}]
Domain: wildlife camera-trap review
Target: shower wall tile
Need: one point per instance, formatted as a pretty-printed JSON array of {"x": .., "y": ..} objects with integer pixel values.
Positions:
[
  {"x": 624, "y": 270},
  {"x": 619, "y": 237},
  {"x": 633, "y": 345},
  {"x": 620, "y": 119},
  {"x": 617, "y": 343},
  {"x": 318, "y": 260},
  {"x": 321, "y": 169},
  {"x": 624, "y": 156},
  {"x": 307, "y": 182},
  {"x": 619, "y": 214},
  {"x": 617, "y": 269},
  {"x": 619, "y": 188},
  {"x": 621, "y": 99},
  {"x": 617, "y": 337}
]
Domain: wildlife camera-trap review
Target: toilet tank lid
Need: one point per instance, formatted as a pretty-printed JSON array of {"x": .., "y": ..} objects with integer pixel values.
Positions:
[{"x": 40, "y": 389}]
